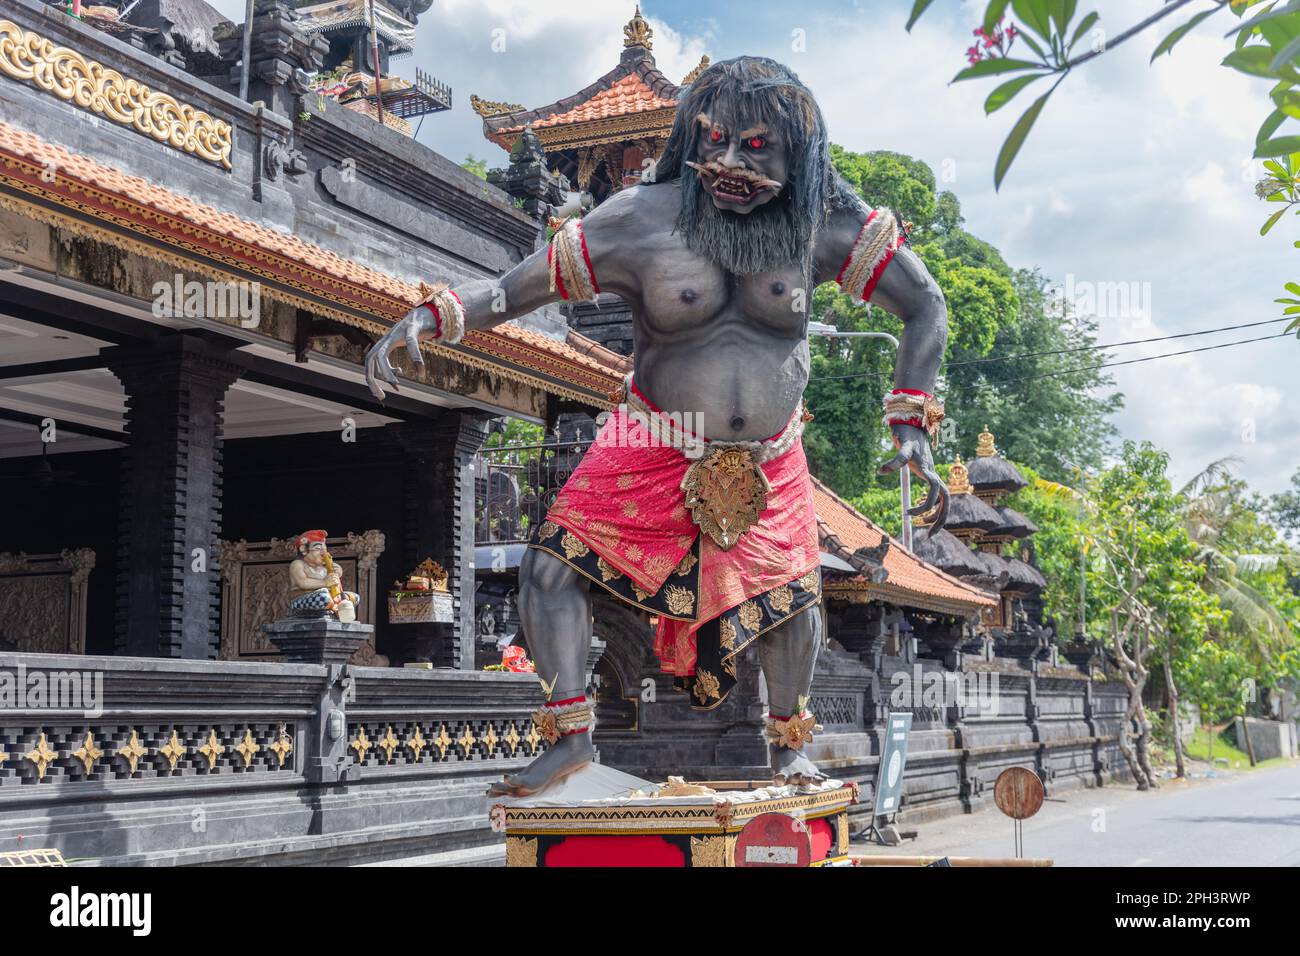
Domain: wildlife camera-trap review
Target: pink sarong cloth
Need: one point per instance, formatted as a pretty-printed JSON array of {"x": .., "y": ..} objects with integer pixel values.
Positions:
[{"x": 625, "y": 502}]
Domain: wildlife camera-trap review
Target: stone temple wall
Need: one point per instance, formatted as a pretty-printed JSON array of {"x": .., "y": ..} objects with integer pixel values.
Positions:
[
  {"x": 1056, "y": 720},
  {"x": 135, "y": 761}
]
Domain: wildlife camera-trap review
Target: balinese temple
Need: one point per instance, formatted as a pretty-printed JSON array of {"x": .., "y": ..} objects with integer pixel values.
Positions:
[
  {"x": 980, "y": 530},
  {"x": 600, "y": 139},
  {"x": 364, "y": 36}
]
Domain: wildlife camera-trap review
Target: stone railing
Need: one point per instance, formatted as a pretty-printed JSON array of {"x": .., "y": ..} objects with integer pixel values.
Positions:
[
  {"x": 152, "y": 761},
  {"x": 1056, "y": 720}
]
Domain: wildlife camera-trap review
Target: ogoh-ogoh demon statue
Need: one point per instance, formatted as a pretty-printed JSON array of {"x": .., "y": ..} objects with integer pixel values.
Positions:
[{"x": 711, "y": 530}]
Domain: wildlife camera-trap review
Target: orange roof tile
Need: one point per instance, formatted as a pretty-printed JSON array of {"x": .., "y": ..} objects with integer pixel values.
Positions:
[
  {"x": 911, "y": 581},
  {"x": 75, "y": 172},
  {"x": 625, "y": 96}
]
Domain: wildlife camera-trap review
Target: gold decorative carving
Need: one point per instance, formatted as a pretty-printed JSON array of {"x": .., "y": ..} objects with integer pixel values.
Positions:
[
  {"x": 692, "y": 76},
  {"x": 959, "y": 478},
  {"x": 131, "y": 752},
  {"x": 511, "y": 738},
  {"x": 173, "y": 750},
  {"x": 491, "y": 739},
  {"x": 521, "y": 851},
  {"x": 726, "y": 491},
  {"x": 711, "y": 851},
  {"x": 247, "y": 748},
  {"x": 213, "y": 749},
  {"x": 533, "y": 738},
  {"x": 467, "y": 740},
  {"x": 388, "y": 743},
  {"x": 361, "y": 743},
  {"x": 985, "y": 447},
  {"x": 253, "y": 592},
  {"x": 486, "y": 108},
  {"x": 442, "y": 741},
  {"x": 93, "y": 87},
  {"x": 417, "y": 743},
  {"x": 88, "y": 753},
  {"x": 282, "y": 747},
  {"x": 638, "y": 32},
  {"x": 842, "y": 834},
  {"x": 42, "y": 756}
]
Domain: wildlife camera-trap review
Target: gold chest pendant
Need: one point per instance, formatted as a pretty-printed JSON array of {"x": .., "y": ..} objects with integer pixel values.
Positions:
[{"x": 726, "y": 491}]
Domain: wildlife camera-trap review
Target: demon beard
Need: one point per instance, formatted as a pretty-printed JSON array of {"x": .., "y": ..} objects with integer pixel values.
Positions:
[{"x": 773, "y": 236}]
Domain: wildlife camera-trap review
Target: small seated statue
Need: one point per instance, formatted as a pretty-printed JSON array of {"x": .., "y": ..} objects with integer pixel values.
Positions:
[{"x": 316, "y": 585}]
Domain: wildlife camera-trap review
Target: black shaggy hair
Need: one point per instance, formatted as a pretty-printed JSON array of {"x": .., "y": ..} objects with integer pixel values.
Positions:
[{"x": 781, "y": 232}]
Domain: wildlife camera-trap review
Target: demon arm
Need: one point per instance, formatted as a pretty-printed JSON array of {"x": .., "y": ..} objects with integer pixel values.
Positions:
[
  {"x": 868, "y": 247},
  {"x": 565, "y": 269}
]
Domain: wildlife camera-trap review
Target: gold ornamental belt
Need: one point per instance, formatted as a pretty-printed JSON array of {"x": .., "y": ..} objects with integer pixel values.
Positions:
[{"x": 725, "y": 487}]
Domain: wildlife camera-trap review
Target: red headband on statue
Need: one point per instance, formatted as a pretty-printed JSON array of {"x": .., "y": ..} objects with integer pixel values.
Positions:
[{"x": 311, "y": 537}]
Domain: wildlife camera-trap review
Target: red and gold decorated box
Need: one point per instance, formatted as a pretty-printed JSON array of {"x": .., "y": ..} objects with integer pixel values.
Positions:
[{"x": 711, "y": 824}]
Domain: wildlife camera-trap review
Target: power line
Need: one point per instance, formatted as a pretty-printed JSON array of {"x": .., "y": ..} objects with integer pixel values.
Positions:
[
  {"x": 1115, "y": 345},
  {"x": 1091, "y": 368},
  {"x": 1068, "y": 371}
]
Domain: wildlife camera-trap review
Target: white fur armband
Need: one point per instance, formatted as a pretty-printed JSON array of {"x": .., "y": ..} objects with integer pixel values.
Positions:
[
  {"x": 570, "y": 264},
  {"x": 878, "y": 240}
]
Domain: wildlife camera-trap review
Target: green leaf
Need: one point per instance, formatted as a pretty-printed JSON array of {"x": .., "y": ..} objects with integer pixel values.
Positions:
[
  {"x": 1063, "y": 13},
  {"x": 1287, "y": 56},
  {"x": 995, "y": 11},
  {"x": 995, "y": 66},
  {"x": 918, "y": 8},
  {"x": 1167, "y": 44},
  {"x": 1270, "y": 126},
  {"x": 1084, "y": 26},
  {"x": 1029, "y": 41},
  {"x": 1007, "y": 91},
  {"x": 1272, "y": 221},
  {"x": 1034, "y": 14},
  {"x": 1017, "y": 138},
  {"x": 1247, "y": 26},
  {"x": 1277, "y": 147},
  {"x": 1256, "y": 61},
  {"x": 1293, "y": 287}
]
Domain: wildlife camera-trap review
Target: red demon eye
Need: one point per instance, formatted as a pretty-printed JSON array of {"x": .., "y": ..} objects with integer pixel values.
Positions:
[
  {"x": 715, "y": 136},
  {"x": 757, "y": 142}
]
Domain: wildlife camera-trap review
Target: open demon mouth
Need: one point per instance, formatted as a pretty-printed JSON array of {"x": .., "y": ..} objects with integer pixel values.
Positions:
[{"x": 739, "y": 186}]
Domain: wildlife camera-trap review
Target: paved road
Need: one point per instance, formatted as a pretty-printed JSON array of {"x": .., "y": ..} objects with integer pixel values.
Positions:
[{"x": 1251, "y": 818}]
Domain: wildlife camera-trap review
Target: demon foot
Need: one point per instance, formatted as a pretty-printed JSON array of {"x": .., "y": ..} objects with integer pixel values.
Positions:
[
  {"x": 566, "y": 755},
  {"x": 790, "y": 768}
]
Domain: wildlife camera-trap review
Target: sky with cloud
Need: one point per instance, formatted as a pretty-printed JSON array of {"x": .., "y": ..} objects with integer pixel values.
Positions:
[{"x": 1135, "y": 174}]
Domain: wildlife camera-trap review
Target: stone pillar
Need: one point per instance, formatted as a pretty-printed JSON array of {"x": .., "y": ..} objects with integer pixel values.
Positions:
[
  {"x": 167, "y": 590},
  {"x": 439, "y": 524}
]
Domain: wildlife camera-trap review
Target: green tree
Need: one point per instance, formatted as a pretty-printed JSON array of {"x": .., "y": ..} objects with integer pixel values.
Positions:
[
  {"x": 1049, "y": 43},
  {"x": 1242, "y": 558},
  {"x": 1037, "y": 389},
  {"x": 1284, "y": 508},
  {"x": 478, "y": 167},
  {"x": 1144, "y": 581},
  {"x": 1000, "y": 323}
]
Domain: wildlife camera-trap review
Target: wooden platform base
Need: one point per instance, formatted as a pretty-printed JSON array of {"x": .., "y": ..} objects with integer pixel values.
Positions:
[{"x": 642, "y": 830}]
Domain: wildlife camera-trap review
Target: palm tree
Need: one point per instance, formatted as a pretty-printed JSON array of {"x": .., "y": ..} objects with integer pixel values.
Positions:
[{"x": 1212, "y": 502}]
